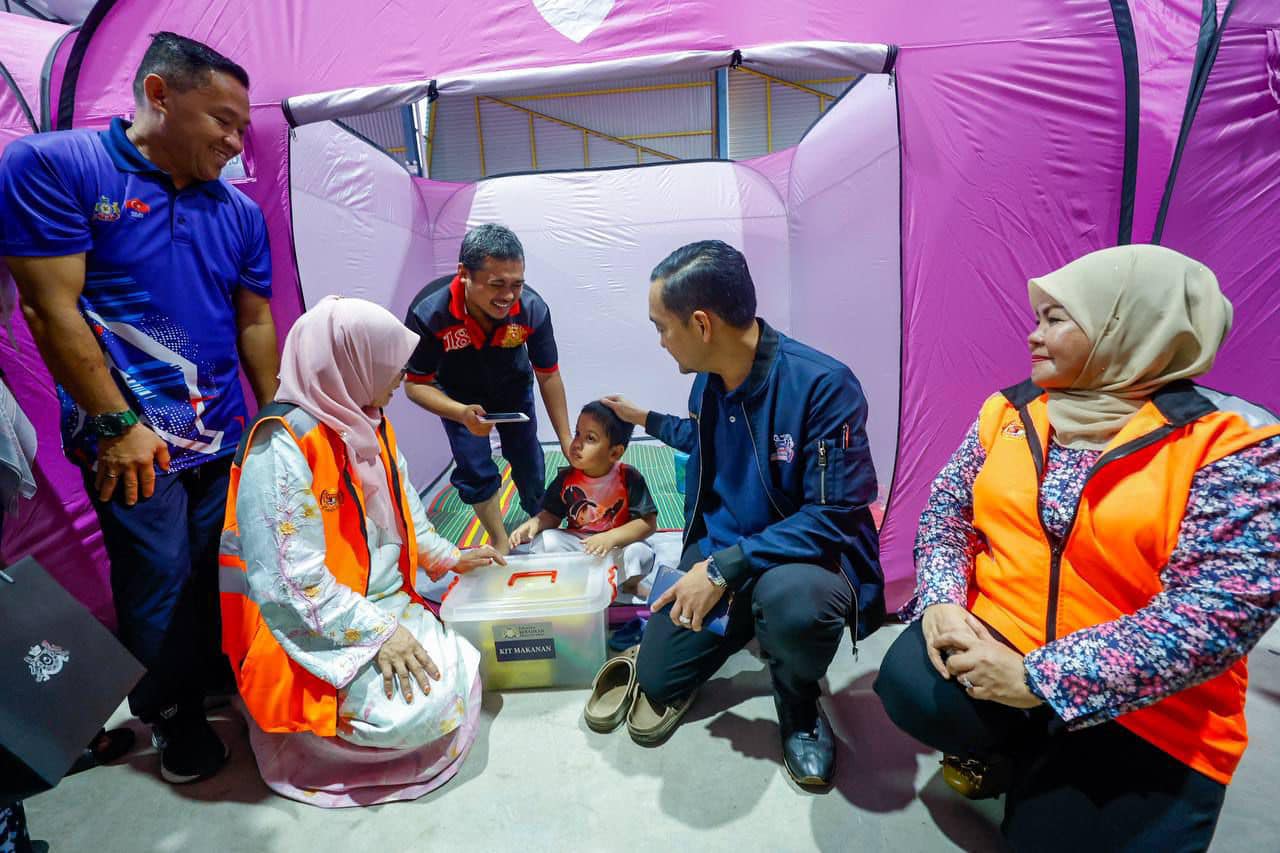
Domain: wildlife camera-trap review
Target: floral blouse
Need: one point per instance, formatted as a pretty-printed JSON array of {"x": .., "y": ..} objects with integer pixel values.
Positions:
[
  {"x": 1221, "y": 584},
  {"x": 330, "y": 629}
]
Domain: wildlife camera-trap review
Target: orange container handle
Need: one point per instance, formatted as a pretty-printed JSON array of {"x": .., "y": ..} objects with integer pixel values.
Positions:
[{"x": 549, "y": 573}]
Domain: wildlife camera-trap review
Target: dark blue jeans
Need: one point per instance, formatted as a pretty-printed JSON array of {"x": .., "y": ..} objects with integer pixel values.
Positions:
[
  {"x": 476, "y": 477},
  {"x": 164, "y": 578}
]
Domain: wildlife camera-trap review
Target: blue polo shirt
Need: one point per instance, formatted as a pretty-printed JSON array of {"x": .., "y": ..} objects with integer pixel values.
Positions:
[
  {"x": 162, "y": 269},
  {"x": 737, "y": 505}
]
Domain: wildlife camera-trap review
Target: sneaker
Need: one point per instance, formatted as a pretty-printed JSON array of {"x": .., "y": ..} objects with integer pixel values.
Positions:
[{"x": 190, "y": 750}]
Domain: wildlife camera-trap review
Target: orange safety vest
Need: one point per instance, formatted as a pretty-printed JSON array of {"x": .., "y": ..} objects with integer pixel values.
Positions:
[
  {"x": 1033, "y": 588},
  {"x": 280, "y": 694}
]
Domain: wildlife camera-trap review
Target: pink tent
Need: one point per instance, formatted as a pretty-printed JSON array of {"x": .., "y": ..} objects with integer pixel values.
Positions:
[{"x": 970, "y": 146}]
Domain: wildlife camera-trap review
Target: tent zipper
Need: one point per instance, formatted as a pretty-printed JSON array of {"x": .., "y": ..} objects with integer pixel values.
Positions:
[{"x": 822, "y": 472}]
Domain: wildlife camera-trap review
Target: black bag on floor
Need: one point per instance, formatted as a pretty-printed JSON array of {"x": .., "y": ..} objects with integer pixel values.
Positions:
[{"x": 62, "y": 674}]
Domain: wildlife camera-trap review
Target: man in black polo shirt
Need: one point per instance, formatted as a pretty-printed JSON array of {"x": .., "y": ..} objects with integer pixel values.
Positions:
[{"x": 485, "y": 336}]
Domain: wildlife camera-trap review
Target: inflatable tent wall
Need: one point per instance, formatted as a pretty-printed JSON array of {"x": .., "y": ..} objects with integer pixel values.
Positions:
[{"x": 983, "y": 143}]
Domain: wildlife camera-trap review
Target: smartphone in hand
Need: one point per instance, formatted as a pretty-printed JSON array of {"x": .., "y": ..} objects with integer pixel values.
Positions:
[{"x": 504, "y": 418}]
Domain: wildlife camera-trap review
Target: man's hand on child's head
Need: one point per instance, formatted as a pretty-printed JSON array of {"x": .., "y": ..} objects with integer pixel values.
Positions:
[{"x": 625, "y": 409}]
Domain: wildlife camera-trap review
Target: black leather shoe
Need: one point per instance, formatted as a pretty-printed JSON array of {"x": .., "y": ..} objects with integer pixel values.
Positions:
[{"x": 808, "y": 746}]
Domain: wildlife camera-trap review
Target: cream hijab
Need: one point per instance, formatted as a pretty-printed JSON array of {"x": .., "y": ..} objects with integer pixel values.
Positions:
[{"x": 1153, "y": 315}]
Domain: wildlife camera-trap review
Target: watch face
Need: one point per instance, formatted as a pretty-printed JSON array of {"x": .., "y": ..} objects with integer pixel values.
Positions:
[{"x": 112, "y": 424}]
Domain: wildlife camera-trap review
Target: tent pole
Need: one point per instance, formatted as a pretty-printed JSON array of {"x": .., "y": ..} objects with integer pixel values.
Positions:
[
  {"x": 722, "y": 113},
  {"x": 480, "y": 139},
  {"x": 768, "y": 115},
  {"x": 431, "y": 135},
  {"x": 533, "y": 145}
]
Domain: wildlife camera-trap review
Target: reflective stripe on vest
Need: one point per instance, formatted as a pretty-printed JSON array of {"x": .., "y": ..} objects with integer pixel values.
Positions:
[
  {"x": 1033, "y": 588},
  {"x": 279, "y": 693}
]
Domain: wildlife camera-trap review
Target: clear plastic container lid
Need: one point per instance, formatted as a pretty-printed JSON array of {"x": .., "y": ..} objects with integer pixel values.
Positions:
[{"x": 532, "y": 586}]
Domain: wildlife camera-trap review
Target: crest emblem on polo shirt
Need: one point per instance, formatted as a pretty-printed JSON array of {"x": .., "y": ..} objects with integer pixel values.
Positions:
[
  {"x": 137, "y": 208},
  {"x": 330, "y": 500},
  {"x": 1013, "y": 429},
  {"x": 514, "y": 336},
  {"x": 784, "y": 448},
  {"x": 46, "y": 660},
  {"x": 106, "y": 210}
]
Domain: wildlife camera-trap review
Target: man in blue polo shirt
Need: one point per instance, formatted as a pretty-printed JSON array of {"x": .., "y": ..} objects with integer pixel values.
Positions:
[
  {"x": 485, "y": 336},
  {"x": 145, "y": 280}
]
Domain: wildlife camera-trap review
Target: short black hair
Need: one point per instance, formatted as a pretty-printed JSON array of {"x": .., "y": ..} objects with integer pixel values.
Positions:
[
  {"x": 709, "y": 275},
  {"x": 615, "y": 428},
  {"x": 184, "y": 63},
  {"x": 489, "y": 241}
]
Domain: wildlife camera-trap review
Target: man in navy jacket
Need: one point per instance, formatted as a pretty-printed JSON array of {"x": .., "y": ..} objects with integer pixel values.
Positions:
[{"x": 777, "y": 508}]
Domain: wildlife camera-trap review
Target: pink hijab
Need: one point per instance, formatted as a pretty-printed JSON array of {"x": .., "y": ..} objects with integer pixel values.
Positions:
[{"x": 338, "y": 358}]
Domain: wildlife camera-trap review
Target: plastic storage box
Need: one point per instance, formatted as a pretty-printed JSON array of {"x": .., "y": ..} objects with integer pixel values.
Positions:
[{"x": 539, "y": 621}]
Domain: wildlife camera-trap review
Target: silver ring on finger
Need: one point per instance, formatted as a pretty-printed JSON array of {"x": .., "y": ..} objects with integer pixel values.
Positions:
[
  {"x": 965, "y": 682},
  {"x": 686, "y": 620},
  {"x": 111, "y": 476}
]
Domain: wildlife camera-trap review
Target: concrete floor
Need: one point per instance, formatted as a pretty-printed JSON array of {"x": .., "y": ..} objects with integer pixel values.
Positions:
[{"x": 539, "y": 780}]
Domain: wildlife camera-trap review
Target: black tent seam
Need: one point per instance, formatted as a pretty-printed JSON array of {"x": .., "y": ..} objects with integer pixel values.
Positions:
[
  {"x": 22, "y": 101},
  {"x": 1199, "y": 81},
  {"x": 902, "y": 307},
  {"x": 46, "y": 79},
  {"x": 1132, "y": 111},
  {"x": 293, "y": 241},
  {"x": 71, "y": 77}
]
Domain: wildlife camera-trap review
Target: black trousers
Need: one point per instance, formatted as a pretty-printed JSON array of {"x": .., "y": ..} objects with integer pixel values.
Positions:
[
  {"x": 164, "y": 579},
  {"x": 1096, "y": 789},
  {"x": 796, "y": 611}
]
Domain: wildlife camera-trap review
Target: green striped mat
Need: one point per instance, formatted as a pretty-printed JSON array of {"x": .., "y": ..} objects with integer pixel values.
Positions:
[{"x": 456, "y": 522}]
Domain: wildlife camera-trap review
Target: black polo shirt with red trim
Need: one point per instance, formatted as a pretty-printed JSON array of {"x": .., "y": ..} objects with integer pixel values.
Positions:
[{"x": 493, "y": 369}]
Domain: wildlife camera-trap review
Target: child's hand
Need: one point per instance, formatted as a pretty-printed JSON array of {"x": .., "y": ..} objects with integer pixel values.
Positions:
[
  {"x": 599, "y": 545},
  {"x": 524, "y": 533}
]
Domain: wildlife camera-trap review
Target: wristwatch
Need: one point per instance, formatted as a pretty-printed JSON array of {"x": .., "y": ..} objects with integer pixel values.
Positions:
[
  {"x": 713, "y": 573},
  {"x": 112, "y": 424}
]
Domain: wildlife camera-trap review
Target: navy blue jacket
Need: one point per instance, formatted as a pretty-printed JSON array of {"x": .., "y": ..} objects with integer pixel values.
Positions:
[{"x": 807, "y": 418}]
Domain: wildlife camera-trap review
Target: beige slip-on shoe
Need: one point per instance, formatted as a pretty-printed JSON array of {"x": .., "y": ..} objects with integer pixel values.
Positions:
[
  {"x": 612, "y": 692},
  {"x": 650, "y": 723}
]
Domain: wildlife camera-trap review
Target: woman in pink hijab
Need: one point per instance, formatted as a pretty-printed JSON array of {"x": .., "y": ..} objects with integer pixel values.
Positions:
[{"x": 358, "y": 695}]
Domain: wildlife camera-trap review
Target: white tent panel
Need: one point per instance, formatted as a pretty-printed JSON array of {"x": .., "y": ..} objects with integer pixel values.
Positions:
[
  {"x": 360, "y": 229},
  {"x": 591, "y": 240},
  {"x": 846, "y": 249}
]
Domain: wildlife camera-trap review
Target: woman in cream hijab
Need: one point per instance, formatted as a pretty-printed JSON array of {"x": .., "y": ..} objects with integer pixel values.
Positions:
[
  {"x": 406, "y": 688},
  {"x": 1093, "y": 565}
]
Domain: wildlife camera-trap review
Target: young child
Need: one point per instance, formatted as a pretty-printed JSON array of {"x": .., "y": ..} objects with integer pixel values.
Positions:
[{"x": 607, "y": 503}]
